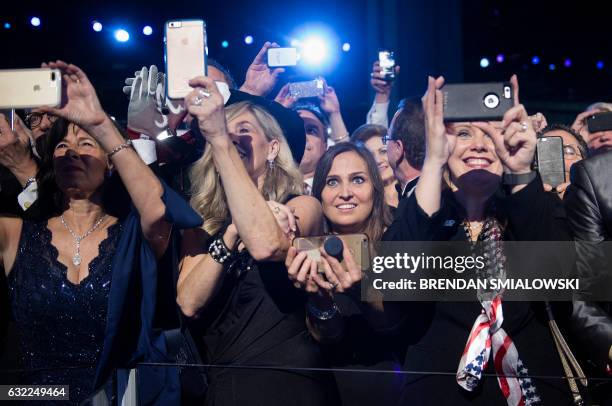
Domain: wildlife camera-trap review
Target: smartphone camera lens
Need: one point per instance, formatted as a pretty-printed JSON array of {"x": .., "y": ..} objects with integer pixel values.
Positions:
[
  {"x": 491, "y": 100},
  {"x": 52, "y": 76}
]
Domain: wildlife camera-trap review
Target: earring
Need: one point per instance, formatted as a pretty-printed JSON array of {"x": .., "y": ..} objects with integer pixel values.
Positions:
[{"x": 271, "y": 163}]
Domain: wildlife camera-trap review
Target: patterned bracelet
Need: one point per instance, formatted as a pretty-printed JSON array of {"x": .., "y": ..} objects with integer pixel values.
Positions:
[
  {"x": 219, "y": 251},
  {"x": 118, "y": 148}
]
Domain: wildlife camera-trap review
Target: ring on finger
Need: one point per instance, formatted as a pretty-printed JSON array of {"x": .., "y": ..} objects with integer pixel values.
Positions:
[
  {"x": 276, "y": 209},
  {"x": 298, "y": 285}
]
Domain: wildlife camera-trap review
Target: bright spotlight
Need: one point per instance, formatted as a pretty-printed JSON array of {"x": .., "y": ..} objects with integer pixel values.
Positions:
[
  {"x": 147, "y": 30},
  {"x": 500, "y": 58},
  {"x": 314, "y": 50},
  {"x": 484, "y": 63},
  {"x": 97, "y": 26},
  {"x": 346, "y": 47},
  {"x": 122, "y": 35},
  {"x": 600, "y": 65},
  {"x": 224, "y": 44},
  {"x": 248, "y": 39},
  {"x": 535, "y": 60},
  {"x": 7, "y": 26},
  {"x": 567, "y": 63},
  {"x": 35, "y": 21},
  {"x": 552, "y": 66}
]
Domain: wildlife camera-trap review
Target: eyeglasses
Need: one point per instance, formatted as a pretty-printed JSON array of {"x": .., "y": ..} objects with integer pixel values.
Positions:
[
  {"x": 571, "y": 151},
  {"x": 386, "y": 138},
  {"x": 33, "y": 120}
]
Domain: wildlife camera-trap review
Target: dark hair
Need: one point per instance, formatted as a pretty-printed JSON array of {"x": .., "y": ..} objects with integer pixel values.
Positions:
[
  {"x": 582, "y": 145},
  {"x": 314, "y": 109},
  {"x": 228, "y": 76},
  {"x": 115, "y": 200},
  {"x": 380, "y": 218},
  {"x": 409, "y": 128},
  {"x": 366, "y": 131}
]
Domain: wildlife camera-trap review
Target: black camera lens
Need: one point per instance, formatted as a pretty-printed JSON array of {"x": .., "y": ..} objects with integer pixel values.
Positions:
[{"x": 52, "y": 76}]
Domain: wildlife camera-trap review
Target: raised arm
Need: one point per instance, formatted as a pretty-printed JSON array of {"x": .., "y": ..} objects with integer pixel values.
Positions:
[{"x": 83, "y": 108}]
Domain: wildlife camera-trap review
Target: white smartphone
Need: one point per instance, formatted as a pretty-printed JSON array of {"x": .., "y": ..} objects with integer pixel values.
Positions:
[
  {"x": 26, "y": 88},
  {"x": 278, "y": 57},
  {"x": 185, "y": 43}
]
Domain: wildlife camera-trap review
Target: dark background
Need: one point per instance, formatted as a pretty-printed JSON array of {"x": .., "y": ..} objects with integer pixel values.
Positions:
[{"x": 429, "y": 37}]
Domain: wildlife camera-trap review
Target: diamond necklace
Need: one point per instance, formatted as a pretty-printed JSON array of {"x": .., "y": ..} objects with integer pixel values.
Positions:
[{"x": 76, "y": 259}]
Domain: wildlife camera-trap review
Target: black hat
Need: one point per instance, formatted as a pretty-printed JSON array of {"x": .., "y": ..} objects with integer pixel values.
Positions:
[{"x": 289, "y": 121}]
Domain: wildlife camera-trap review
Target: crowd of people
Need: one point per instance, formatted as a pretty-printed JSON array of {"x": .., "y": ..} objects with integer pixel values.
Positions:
[{"x": 172, "y": 241}]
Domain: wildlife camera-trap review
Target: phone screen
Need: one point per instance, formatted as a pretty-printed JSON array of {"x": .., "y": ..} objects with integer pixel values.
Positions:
[
  {"x": 282, "y": 57},
  {"x": 386, "y": 60}
]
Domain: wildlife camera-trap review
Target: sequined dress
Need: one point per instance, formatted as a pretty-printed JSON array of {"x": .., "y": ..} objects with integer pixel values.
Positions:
[{"x": 60, "y": 325}]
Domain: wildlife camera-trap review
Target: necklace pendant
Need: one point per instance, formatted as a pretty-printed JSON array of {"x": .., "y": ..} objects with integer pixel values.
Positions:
[{"x": 76, "y": 260}]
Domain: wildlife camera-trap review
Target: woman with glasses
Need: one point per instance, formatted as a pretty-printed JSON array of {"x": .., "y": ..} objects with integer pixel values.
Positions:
[
  {"x": 39, "y": 122},
  {"x": 574, "y": 149}
]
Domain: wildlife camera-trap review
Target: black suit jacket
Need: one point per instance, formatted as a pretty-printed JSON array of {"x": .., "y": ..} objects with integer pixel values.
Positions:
[{"x": 588, "y": 203}]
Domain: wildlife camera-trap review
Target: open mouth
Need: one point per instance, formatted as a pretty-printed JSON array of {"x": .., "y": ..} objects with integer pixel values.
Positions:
[{"x": 477, "y": 162}]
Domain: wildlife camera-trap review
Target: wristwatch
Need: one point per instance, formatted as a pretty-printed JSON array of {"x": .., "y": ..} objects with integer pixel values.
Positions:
[{"x": 511, "y": 179}]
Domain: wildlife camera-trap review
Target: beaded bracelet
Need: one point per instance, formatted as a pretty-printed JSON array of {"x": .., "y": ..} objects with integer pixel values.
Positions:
[
  {"x": 323, "y": 314},
  {"x": 118, "y": 148}
]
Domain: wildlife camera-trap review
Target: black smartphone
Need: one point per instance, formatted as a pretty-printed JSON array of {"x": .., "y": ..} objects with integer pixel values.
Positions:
[
  {"x": 551, "y": 165},
  {"x": 386, "y": 60},
  {"x": 477, "y": 101},
  {"x": 600, "y": 122}
]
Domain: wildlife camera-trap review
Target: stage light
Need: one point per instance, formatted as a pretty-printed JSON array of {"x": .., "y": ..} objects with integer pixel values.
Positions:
[
  {"x": 122, "y": 35},
  {"x": 35, "y": 21},
  {"x": 7, "y": 26},
  {"x": 314, "y": 50},
  {"x": 552, "y": 66},
  {"x": 248, "y": 39},
  {"x": 346, "y": 47},
  {"x": 600, "y": 65},
  {"x": 484, "y": 63},
  {"x": 97, "y": 26},
  {"x": 295, "y": 42},
  {"x": 147, "y": 30},
  {"x": 567, "y": 63},
  {"x": 535, "y": 60},
  {"x": 500, "y": 58},
  {"x": 224, "y": 44}
]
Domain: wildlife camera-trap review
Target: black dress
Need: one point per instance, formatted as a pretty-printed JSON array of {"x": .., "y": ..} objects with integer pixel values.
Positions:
[
  {"x": 60, "y": 325},
  {"x": 257, "y": 319},
  {"x": 437, "y": 331}
]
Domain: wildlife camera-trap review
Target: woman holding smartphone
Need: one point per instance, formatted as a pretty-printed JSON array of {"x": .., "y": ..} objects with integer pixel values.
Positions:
[
  {"x": 348, "y": 184},
  {"x": 247, "y": 316}
]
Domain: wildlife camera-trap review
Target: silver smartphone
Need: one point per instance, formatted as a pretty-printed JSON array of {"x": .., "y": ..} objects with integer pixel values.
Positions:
[
  {"x": 550, "y": 160},
  {"x": 311, "y": 88},
  {"x": 28, "y": 88},
  {"x": 185, "y": 54},
  {"x": 278, "y": 57}
]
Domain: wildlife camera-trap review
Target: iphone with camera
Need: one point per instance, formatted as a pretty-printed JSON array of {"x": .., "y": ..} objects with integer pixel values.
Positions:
[
  {"x": 551, "y": 165},
  {"x": 280, "y": 57},
  {"x": 185, "y": 55},
  {"x": 310, "y": 88},
  {"x": 386, "y": 61},
  {"x": 476, "y": 101},
  {"x": 599, "y": 122},
  {"x": 356, "y": 244},
  {"x": 28, "y": 88}
]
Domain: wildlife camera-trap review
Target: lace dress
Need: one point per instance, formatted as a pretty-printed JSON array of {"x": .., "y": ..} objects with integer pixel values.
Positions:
[{"x": 60, "y": 325}]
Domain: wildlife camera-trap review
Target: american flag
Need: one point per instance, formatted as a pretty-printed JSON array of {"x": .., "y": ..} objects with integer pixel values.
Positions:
[{"x": 512, "y": 374}]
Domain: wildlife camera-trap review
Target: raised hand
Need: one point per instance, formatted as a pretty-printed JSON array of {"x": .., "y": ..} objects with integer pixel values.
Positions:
[
  {"x": 285, "y": 98},
  {"x": 329, "y": 101},
  {"x": 515, "y": 141},
  {"x": 381, "y": 87},
  {"x": 284, "y": 216},
  {"x": 438, "y": 143},
  {"x": 15, "y": 153},
  {"x": 261, "y": 79},
  {"x": 205, "y": 103},
  {"x": 81, "y": 105}
]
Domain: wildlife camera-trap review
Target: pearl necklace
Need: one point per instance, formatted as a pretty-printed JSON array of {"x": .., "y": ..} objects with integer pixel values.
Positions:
[{"x": 76, "y": 259}]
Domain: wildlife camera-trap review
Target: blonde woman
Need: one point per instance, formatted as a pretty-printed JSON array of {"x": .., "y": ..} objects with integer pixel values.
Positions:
[{"x": 233, "y": 284}]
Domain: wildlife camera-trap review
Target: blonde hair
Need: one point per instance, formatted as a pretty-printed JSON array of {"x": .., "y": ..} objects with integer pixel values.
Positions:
[
  {"x": 600, "y": 106},
  {"x": 283, "y": 180}
]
